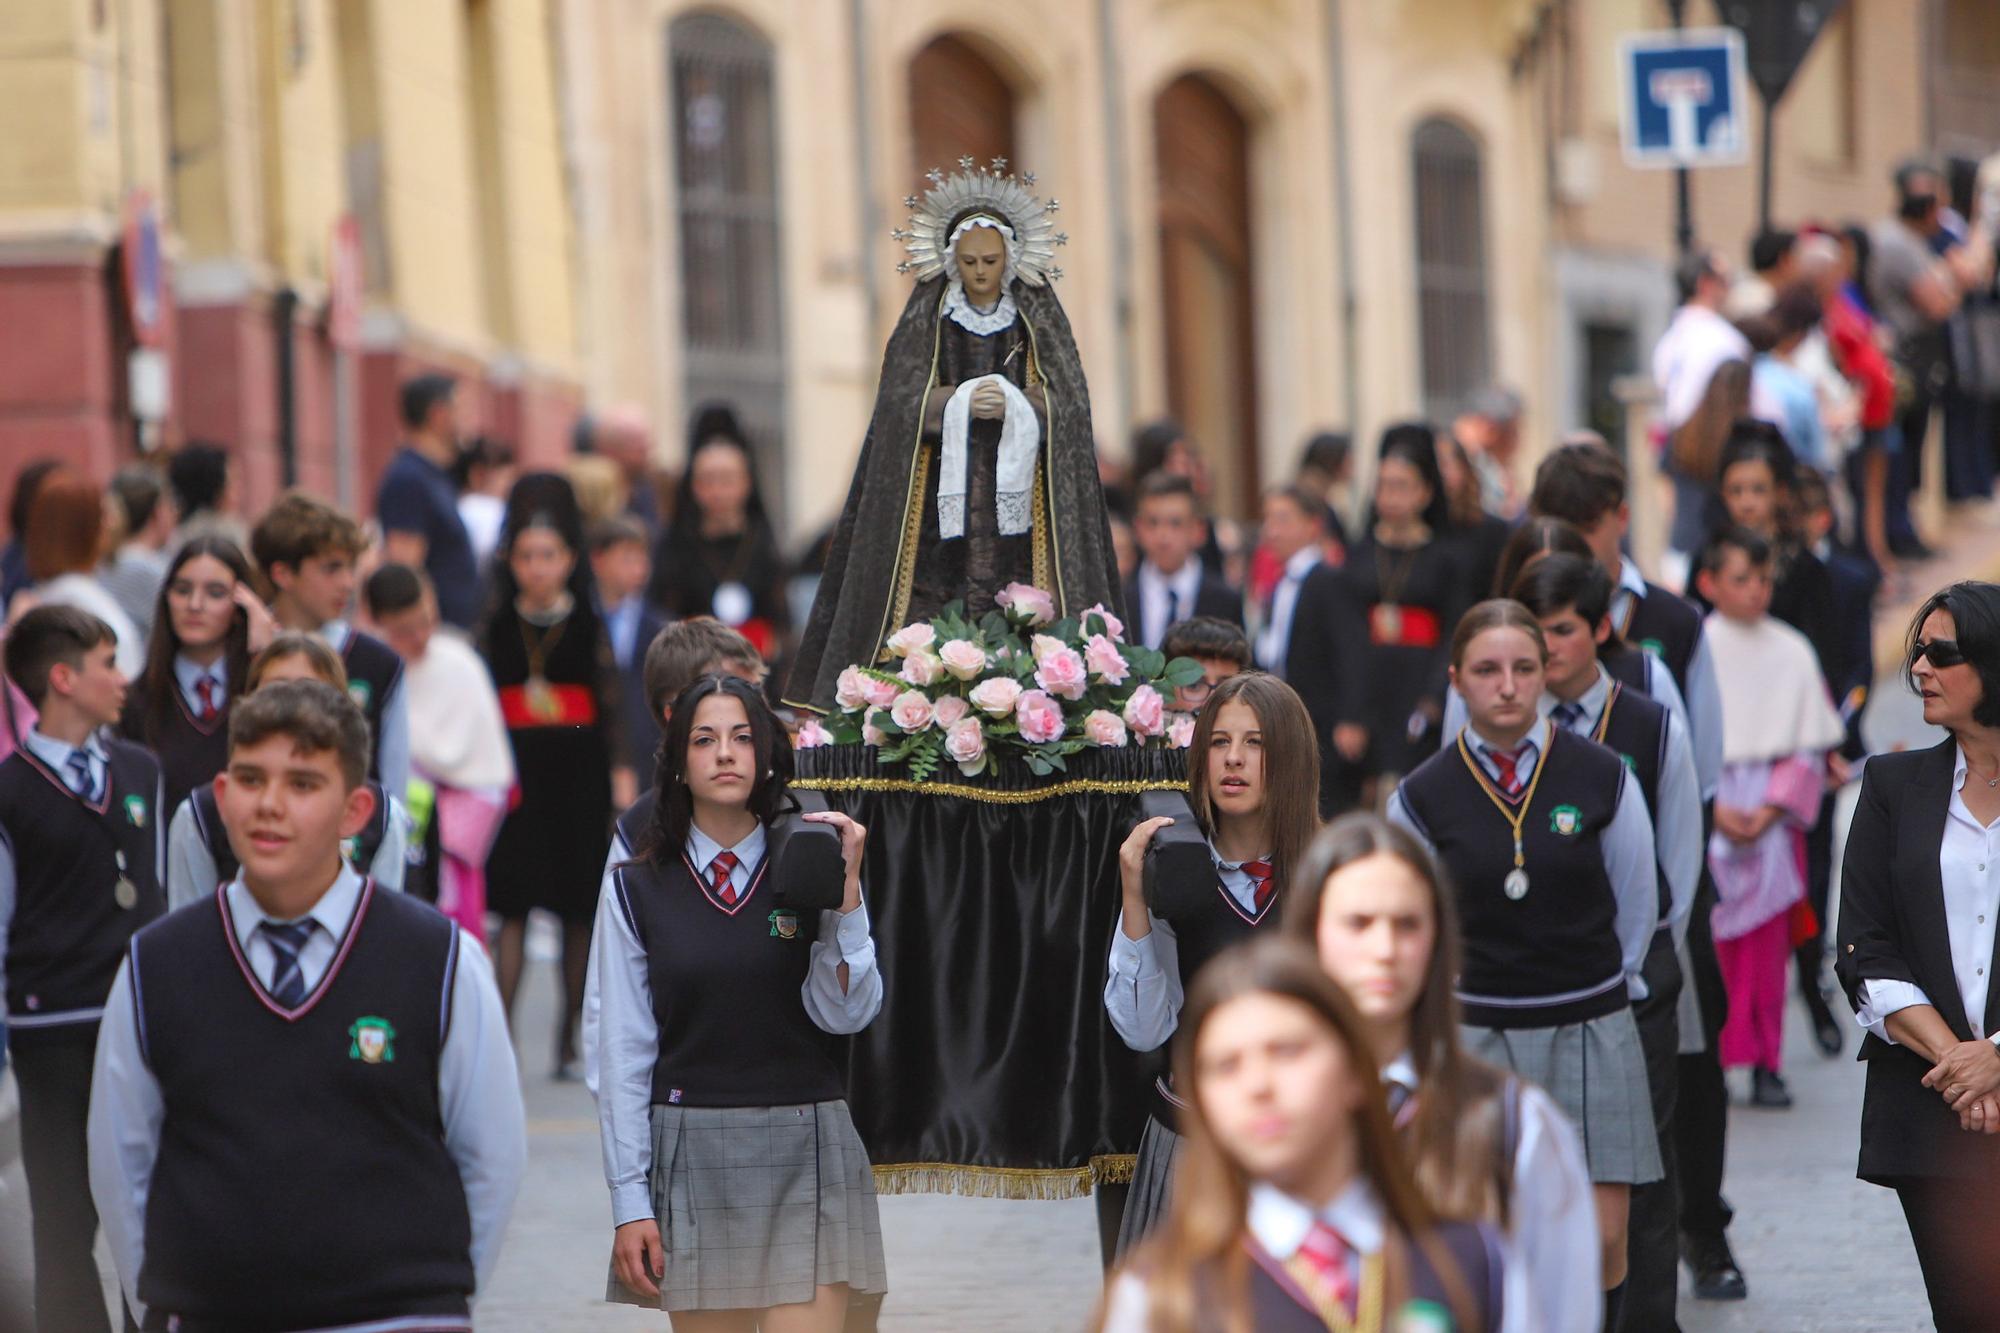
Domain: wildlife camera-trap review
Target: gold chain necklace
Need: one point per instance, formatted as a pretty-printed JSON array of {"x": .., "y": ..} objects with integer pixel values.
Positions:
[{"x": 1515, "y": 886}]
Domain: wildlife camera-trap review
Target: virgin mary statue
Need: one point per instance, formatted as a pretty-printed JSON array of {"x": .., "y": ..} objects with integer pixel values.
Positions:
[{"x": 979, "y": 468}]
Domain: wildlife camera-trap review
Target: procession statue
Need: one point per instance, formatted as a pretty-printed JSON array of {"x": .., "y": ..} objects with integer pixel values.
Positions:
[{"x": 979, "y": 468}]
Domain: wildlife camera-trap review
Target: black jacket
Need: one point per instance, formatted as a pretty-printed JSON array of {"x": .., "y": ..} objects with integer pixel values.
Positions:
[
  {"x": 1213, "y": 597},
  {"x": 1892, "y": 927}
]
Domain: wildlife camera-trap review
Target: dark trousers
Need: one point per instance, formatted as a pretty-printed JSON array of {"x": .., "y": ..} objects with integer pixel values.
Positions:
[
  {"x": 53, "y": 1072},
  {"x": 1110, "y": 1217},
  {"x": 1701, "y": 1104},
  {"x": 1906, "y": 469},
  {"x": 1652, "y": 1244},
  {"x": 1811, "y": 954},
  {"x": 1954, "y": 1228}
]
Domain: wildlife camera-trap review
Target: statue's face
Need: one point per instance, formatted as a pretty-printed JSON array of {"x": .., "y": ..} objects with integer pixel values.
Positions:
[{"x": 981, "y": 257}]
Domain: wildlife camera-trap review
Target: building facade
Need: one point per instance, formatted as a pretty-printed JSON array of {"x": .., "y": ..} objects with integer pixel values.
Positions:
[{"x": 1284, "y": 215}]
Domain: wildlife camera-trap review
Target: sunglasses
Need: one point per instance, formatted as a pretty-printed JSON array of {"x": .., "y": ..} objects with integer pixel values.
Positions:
[{"x": 1941, "y": 652}]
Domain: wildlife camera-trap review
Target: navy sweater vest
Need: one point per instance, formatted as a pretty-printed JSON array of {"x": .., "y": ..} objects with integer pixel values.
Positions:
[
  {"x": 303, "y": 1178},
  {"x": 1668, "y": 626},
  {"x": 1560, "y": 940},
  {"x": 373, "y": 668},
  {"x": 69, "y": 930},
  {"x": 1635, "y": 728},
  {"x": 1279, "y": 1305},
  {"x": 726, "y": 984}
]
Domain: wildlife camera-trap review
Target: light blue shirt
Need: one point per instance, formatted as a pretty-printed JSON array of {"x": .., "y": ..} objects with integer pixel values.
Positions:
[
  {"x": 621, "y": 626},
  {"x": 1143, "y": 994},
  {"x": 392, "y": 744},
  {"x": 191, "y": 674},
  {"x": 1703, "y": 693},
  {"x": 1782, "y": 395}
]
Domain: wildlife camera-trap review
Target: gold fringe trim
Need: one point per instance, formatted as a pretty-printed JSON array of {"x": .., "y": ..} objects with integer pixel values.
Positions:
[
  {"x": 1003, "y": 1182},
  {"x": 1069, "y": 787}
]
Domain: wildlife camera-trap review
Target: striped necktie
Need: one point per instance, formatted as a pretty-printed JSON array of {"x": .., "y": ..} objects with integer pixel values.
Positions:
[
  {"x": 1506, "y": 767},
  {"x": 1567, "y": 714},
  {"x": 719, "y": 880},
  {"x": 288, "y": 940},
  {"x": 82, "y": 774},
  {"x": 1324, "y": 1251}
]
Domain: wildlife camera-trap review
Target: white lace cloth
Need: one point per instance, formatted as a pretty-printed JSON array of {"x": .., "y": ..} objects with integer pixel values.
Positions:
[{"x": 1014, "y": 470}]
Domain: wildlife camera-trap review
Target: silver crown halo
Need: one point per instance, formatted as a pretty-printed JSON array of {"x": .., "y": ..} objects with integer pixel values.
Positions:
[{"x": 993, "y": 190}]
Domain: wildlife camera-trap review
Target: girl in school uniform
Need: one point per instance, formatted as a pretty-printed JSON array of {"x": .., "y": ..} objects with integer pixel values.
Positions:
[
  {"x": 1482, "y": 1143},
  {"x": 1295, "y": 1210},
  {"x": 207, "y": 623},
  {"x": 199, "y": 856},
  {"x": 1253, "y": 785},
  {"x": 741, "y": 1193},
  {"x": 552, "y": 667},
  {"x": 1550, "y": 852}
]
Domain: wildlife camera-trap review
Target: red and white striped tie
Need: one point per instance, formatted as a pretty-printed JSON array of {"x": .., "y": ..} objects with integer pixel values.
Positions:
[{"x": 718, "y": 877}]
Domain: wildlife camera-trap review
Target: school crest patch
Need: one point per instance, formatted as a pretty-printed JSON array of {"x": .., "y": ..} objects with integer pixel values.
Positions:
[
  {"x": 784, "y": 924},
  {"x": 358, "y": 691},
  {"x": 1566, "y": 820},
  {"x": 135, "y": 811},
  {"x": 373, "y": 1041},
  {"x": 1654, "y": 646}
]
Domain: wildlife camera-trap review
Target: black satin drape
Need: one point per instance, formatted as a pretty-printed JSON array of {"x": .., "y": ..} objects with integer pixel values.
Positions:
[{"x": 992, "y": 1068}]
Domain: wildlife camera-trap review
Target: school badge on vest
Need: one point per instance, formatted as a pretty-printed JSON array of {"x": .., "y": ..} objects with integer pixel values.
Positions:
[
  {"x": 358, "y": 691},
  {"x": 1653, "y": 646},
  {"x": 135, "y": 811},
  {"x": 373, "y": 1041},
  {"x": 1566, "y": 820},
  {"x": 784, "y": 924}
]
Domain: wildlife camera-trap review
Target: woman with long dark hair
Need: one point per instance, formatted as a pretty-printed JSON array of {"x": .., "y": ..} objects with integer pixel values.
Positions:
[
  {"x": 1294, "y": 1207},
  {"x": 741, "y": 1193},
  {"x": 1754, "y": 489},
  {"x": 207, "y": 624},
  {"x": 551, "y": 664},
  {"x": 1254, "y": 789},
  {"x": 1481, "y": 1142},
  {"x": 719, "y": 555},
  {"x": 1405, "y": 586}
]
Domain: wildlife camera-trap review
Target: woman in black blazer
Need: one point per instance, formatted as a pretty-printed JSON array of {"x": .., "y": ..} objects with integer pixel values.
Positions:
[{"x": 1916, "y": 955}]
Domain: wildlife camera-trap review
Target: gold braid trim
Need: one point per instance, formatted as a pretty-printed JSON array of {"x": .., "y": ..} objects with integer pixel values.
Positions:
[
  {"x": 965, "y": 791},
  {"x": 1369, "y": 1308},
  {"x": 1003, "y": 1182}
]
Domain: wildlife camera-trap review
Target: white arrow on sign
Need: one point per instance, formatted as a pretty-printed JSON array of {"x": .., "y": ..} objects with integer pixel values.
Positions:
[{"x": 1683, "y": 92}]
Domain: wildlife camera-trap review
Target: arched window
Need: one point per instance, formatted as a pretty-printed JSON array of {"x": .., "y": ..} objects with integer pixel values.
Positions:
[
  {"x": 1203, "y": 153},
  {"x": 1451, "y": 267},
  {"x": 960, "y": 105},
  {"x": 726, "y": 194}
]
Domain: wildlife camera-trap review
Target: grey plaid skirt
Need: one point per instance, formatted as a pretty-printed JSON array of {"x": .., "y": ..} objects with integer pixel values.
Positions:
[
  {"x": 1596, "y": 1072},
  {"x": 1152, "y": 1184},
  {"x": 759, "y": 1205}
]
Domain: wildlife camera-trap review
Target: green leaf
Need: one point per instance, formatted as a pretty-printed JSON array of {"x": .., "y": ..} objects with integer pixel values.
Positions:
[
  {"x": 1145, "y": 662},
  {"x": 1038, "y": 765},
  {"x": 995, "y": 629},
  {"x": 1181, "y": 671}
]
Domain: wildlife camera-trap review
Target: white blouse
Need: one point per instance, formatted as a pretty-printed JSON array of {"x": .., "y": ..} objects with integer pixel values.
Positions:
[{"x": 1971, "y": 908}]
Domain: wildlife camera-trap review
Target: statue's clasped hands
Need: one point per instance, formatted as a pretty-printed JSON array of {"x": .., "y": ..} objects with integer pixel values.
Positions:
[{"x": 989, "y": 401}]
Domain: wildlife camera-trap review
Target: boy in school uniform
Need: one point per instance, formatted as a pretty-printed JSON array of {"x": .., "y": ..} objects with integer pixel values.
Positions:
[
  {"x": 620, "y": 568},
  {"x": 81, "y": 846},
  {"x": 1222, "y": 648},
  {"x": 1171, "y": 583},
  {"x": 322, "y": 1011},
  {"x": 309, "y": 552}
]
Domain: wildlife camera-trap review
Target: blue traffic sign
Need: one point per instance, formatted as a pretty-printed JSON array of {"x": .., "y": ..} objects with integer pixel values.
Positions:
[{"x": 1684, "y": 102}]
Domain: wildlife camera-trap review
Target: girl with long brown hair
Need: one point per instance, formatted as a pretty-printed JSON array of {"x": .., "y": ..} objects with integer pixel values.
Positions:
[
  {"x": 1253, "y": 785},
  {"x": 1294, "y": 1208},
  {"x": 1481, "y": 1143},
  {"x": 1550, "y": 853}
]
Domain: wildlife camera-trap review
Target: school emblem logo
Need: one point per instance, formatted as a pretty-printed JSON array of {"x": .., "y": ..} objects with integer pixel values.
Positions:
[
  {"x": 1631, "y": 765},
  {"x": 784, "y": 924},
  {"x": 1566, "y": 820},
  {"x": 1654, "y": 646},
  {"x": 135, "y": 811},
  {"x": 358, "y": 691},
  {"x": 373, "y": 1041}
]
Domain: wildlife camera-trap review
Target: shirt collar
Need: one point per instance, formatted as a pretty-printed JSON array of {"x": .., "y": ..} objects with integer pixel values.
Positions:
[
  {"x": 1186, "y": 580},
  {"x": 56, "y": 753},
  {"x": 1591, "y": 701},
  {"x": 190, "y": 674},
  {"x": 1302, "y": 562},
  {"x": 334, "y": 912},
  {"x": 1537, "y": 738},
  {"x": 1281, "y": 1223},
  {"x": 1401, "y": 1071},
  {"x": 703, "y": 849},
  {"x": 336, "y": 632},
  {"x": 1630, "y": 579}
]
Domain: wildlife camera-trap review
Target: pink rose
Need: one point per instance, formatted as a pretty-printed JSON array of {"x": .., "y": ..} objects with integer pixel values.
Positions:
[
  {"x": 1105, "y": 661},
  {"x": 1104, "y": 727},
  {"x": 922, "y": 667},
  {"x": 996, "y": 697},
  {"x": 1042, "y": 645},
  {"x": 965, "y": 745},
  {"x": 963, "y": 658},
  {"x": 912, "y": 710},
  {"x": 1146, "y": 712},
  {"x": 812, "y": 735},
  {"x": 1112, "y": 624},
  {"x": 879, "y": 693},
  {"x": 910, "y": 638},
  {"x": 851, "y": 690},
  {"x": 1063, "y": 673},
  {"x": 1039, "y": 717},
  {"x": 1180, "y": 730},
  {"x": 870, "y": 733},
  {"x": 949, "y": 711},
  {"x": 1026, "y": 603}
]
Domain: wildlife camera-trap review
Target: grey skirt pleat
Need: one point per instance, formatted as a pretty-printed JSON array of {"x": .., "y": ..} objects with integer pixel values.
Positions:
[
  {"x": 1596, "y": 1072},
  {"x": 1152, "y": 1183},
  {"x": 758, "y": 1206}
]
